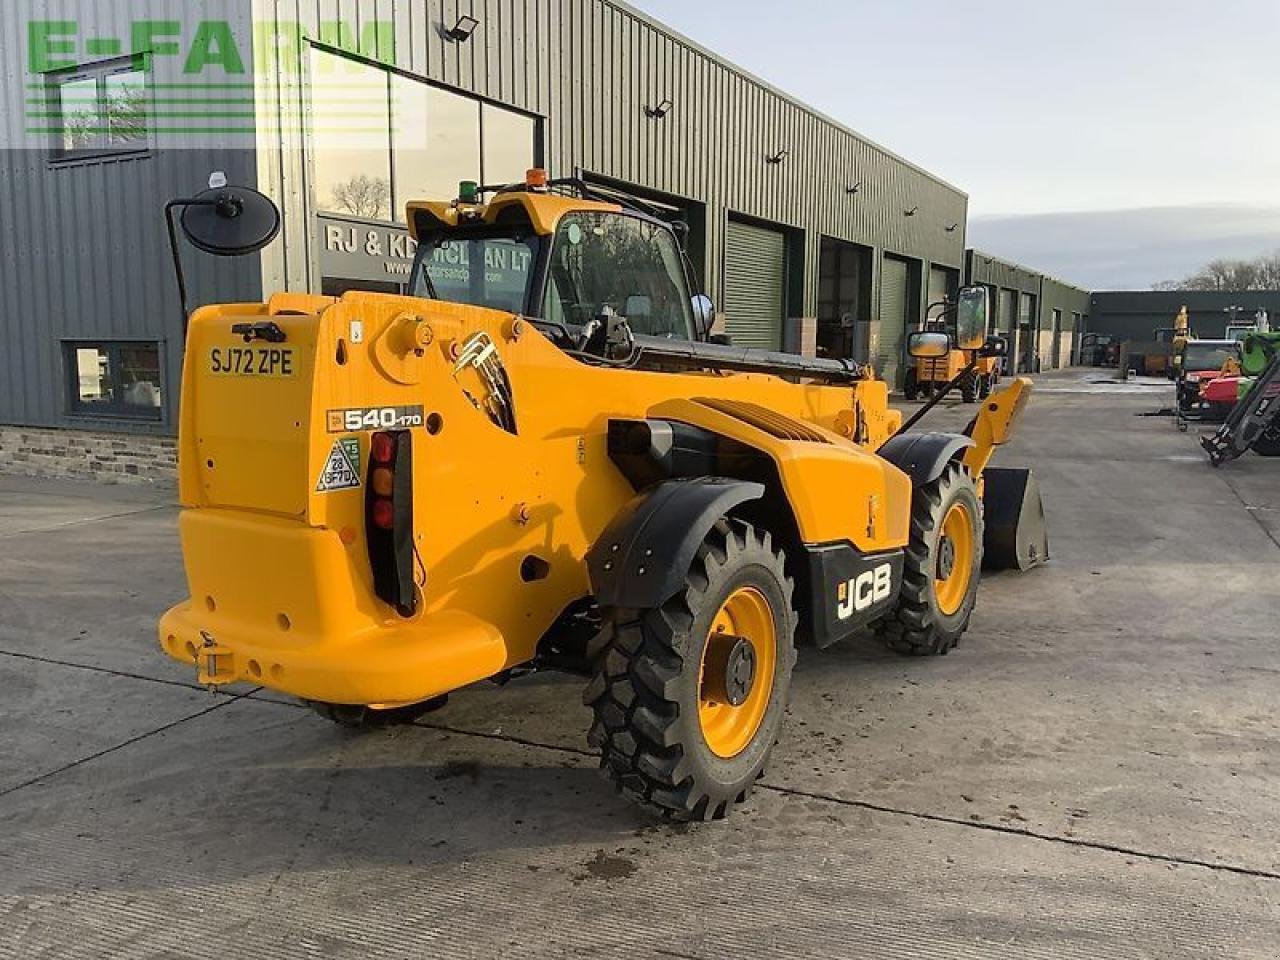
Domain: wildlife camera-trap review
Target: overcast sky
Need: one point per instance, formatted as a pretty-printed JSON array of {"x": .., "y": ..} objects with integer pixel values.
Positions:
[{"x": 1034, "y": 107}]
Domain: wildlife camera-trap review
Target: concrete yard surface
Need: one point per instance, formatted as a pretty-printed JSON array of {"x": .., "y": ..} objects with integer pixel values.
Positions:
[{"x": 1094, "y": 772}]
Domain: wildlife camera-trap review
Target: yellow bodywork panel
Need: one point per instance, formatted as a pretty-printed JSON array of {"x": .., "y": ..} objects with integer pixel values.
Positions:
[
  {"x": 942, "y": 369},
  {"x": 544, "y": 211},
  {"x": 274, "y": 452},
  {"x": 945, "y": 369},
  {"x": 993, "y": 427}
]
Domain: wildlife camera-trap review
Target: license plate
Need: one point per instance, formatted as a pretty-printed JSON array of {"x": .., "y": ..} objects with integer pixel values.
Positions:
[{"x": 252, "y": 361}]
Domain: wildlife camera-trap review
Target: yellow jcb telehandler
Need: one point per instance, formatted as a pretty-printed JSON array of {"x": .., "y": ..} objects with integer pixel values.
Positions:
[{"x": 538, "y": 459}]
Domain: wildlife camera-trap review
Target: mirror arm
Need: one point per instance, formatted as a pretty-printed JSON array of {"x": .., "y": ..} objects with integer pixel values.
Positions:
[
  {"x": 938, "y": 397},
  {"x": 169, "y": 207}
]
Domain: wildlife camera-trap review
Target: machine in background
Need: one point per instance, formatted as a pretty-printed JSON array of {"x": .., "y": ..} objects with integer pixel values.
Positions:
[
  {"x": 1254, "y": 422},
  {"x": 975, "y": 373},
  {"x": 1199, "y": 363}
]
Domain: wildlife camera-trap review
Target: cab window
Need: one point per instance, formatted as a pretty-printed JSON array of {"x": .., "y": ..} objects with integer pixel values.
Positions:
[{"x": 627, "y": 263}]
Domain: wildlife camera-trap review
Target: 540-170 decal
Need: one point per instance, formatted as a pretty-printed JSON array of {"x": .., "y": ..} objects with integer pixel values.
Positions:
[{"x": 361, "y": 419}]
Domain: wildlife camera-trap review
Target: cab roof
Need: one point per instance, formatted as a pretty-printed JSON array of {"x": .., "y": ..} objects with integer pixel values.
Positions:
[{"x": 542, "y": 210}]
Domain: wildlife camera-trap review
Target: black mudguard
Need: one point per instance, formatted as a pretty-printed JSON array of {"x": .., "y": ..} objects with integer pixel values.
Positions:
[
  {"x": 923, "y": 456},
  {"x": 643, "y": 556},
  {"x": 1016, "y": 536}
]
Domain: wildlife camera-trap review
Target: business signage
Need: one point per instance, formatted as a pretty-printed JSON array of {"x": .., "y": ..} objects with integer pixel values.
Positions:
[{"x": 360, "y": 250}]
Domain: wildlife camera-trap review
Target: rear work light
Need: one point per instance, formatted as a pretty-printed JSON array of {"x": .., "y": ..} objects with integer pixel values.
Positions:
[{"x": 389, "y": 519}]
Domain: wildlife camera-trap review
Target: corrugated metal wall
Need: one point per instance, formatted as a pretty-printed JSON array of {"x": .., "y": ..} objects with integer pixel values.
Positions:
[
  {"x": 86, "y": 254},
  {"x": 1015, "y": 283},
  {"x": 87, "y": 249},
  {"x": 590, "y": 67},
  {"x": 1135, "y": 314},
  {"x": 1072, "y": 302}
]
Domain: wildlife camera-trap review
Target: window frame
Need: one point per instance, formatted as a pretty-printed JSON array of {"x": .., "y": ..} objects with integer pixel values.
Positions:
[
  {"x": 115, "y": 410},
  {"x": 397, "y": 215},
  {"x": 99, "y": 71}
]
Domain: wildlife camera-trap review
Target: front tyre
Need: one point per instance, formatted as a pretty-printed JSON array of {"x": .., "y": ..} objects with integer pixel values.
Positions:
[
  {"x": 969, "y": 388},
  {"x": 941, "y": 570},
  {"x": 688, "y": 697},
  {"x": 1268, "y": 442}
]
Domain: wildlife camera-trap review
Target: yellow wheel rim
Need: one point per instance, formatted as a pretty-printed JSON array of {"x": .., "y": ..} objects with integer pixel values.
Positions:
[
  {"x": 955, "y": 560},
  {"x": 735, "y": 679}
]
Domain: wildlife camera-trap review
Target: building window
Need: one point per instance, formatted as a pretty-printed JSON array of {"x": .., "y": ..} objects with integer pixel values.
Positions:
[
  {"x": 508, "y": 142},
  {"x": 114, "y": 379},
  {"x": 381, "y": 139},
  {"x": 99, "y": 109},
  {"x": 350, "y": 137}
]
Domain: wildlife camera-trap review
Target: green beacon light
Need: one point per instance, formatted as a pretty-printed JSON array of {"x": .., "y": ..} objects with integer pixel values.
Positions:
[{"x": 469, "y": 192}]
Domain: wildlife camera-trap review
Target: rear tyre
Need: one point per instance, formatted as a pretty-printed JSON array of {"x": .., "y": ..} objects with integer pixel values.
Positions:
[
  {"x": 688, "y": 698},
  {"x": 910, "y": 388},
  {"x": 969, "y": 389},
  {"x": 1268, "y": 444},
  {"x": 357, "y": 717},
  {"x": 984, "y": 386},
  {"x": 942, "y": 565}
]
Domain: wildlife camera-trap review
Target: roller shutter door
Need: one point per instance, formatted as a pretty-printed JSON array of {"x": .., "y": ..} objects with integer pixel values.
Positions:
[
  {"x": 754, "y": 285},
  {"x": 894, "y": 277}
]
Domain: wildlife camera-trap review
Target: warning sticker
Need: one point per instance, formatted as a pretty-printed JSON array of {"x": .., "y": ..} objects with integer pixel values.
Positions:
[{"x": 342, "y": 469}]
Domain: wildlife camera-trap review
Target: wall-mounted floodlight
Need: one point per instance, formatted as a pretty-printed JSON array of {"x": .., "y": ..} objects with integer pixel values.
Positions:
[
  {"x": 853, "y": 188},
  {"x": 778, "y": 156},
  {"x": 463, "y": 29},
  {"x": 660, "y": 111},
  {"x": 911, "y": 212},
  {"x": 953, "y": 227}
]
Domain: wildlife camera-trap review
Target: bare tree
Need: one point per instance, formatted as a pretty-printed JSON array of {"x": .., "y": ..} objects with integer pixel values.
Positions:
[
  {"x": 1261, "y": 273},
  {"x": 1269, "y": 271},
  {"x": 363, "y": 196}
]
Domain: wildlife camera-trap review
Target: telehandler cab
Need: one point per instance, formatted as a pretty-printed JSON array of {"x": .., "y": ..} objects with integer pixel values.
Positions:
[{"x": 538, "y": 460}]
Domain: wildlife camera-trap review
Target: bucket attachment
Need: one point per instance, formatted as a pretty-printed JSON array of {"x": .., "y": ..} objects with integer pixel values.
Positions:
[{"x": 1016, "y": 536}]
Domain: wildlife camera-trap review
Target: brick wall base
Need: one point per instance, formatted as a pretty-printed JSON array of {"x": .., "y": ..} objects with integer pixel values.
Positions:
[{"x": 82, "y": 455}]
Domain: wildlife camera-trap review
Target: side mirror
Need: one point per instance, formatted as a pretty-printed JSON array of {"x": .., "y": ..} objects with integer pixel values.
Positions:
[
  {"x": 704, "y": 315},
  {"x": 995, "y": 347},
  {"x": 230, "y": 221},
  {"x": 973, "y": 307},
  {"x": 928, "y": 346},
  {"x": 223, "y": 221}
]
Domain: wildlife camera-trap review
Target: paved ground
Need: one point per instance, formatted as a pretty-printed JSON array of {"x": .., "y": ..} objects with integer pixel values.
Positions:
[{"x": 1094, "y": 773}]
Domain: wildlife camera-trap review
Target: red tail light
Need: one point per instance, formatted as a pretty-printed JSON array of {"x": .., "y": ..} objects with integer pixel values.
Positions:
[{"x": 389, "y": 519}]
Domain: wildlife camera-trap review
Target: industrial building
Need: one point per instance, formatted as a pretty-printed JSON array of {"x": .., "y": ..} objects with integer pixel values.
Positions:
[
  {"x": 1136, "y": 314},
  {"x": 807, "y": 236},
  {"x": 1040, "y": 316}
]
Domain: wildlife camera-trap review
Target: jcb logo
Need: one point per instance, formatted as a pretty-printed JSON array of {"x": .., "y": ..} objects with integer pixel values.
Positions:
[{"x": 864, "y": 591}]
